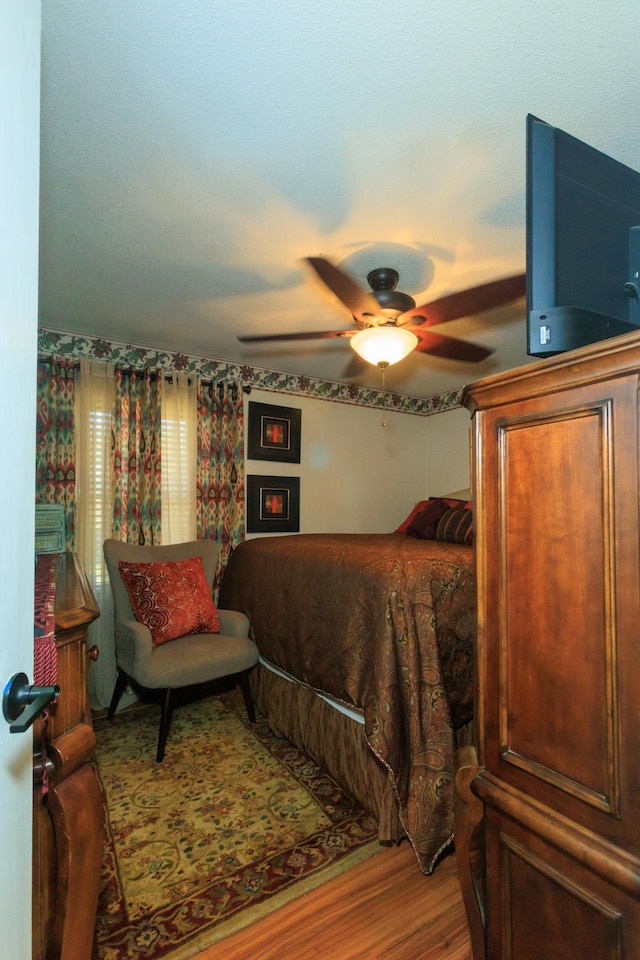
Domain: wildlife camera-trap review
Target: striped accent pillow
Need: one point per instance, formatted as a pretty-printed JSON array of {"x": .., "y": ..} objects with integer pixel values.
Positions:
[{"x": 455, "y": 526}]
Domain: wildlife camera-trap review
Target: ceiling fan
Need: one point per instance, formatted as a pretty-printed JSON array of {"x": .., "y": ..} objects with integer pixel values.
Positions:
[{"x": 389, "y": 325}]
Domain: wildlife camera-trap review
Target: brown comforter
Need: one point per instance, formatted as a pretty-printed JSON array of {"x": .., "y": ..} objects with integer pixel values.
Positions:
[{"x": 384, "y": 623}]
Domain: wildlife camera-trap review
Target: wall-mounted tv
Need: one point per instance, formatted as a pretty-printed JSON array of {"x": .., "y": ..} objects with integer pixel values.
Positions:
[{"x": 583, "y": 243}]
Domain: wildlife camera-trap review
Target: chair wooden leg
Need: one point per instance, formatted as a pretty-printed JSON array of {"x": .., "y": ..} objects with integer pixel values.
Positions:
[
  {"x": 121, "y": 682},
  {"x": 165, "y": 722},
  {"x": 246, "y": 693}
]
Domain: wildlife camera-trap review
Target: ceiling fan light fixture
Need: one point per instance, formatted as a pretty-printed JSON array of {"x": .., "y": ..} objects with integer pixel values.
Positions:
[{"x": 383, "y": 346}]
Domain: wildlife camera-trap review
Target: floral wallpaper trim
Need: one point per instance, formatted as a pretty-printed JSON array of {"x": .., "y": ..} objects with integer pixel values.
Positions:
[{"x": 95, "y": 348}]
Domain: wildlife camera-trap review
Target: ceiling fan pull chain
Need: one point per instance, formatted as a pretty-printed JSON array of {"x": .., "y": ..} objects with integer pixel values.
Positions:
[{"x": 383, "y": 367}]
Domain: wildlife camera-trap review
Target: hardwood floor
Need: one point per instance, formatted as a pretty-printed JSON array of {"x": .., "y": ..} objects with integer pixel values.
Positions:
[{"x": 383, "y": 909}]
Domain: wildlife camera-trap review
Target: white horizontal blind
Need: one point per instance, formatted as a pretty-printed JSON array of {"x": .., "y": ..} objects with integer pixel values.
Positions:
[
  {"x": 178, "y": 407},
  {"x": 95, "y": 394}
]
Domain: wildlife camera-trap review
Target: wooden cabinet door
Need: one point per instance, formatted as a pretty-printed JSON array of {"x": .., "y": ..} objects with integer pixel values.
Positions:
[
  {"x": 558, "y": 566},
  {"x": 543, "y": 903}
]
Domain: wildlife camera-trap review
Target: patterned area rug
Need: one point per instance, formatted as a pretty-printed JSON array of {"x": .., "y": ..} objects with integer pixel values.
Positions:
[{"x": 233, "y": 824}]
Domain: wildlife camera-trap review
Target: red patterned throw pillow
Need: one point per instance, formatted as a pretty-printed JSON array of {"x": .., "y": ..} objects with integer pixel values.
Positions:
[{"x": 172, "y": 598}]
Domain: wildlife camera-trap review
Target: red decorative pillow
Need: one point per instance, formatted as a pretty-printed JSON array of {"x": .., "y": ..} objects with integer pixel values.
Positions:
[
  {"x": 404, "y": 526},
  {"x": 425, "y": 523},
  {"x": 172, "y": 598},
  {"x": 419, "y": 507}
]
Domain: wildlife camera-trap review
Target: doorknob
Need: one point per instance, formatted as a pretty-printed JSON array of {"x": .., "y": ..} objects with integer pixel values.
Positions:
[{"x": 19, "y": 695}]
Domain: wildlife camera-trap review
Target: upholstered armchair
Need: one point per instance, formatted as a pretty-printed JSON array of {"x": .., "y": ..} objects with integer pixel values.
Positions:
[{"x": 168, "y": 632}]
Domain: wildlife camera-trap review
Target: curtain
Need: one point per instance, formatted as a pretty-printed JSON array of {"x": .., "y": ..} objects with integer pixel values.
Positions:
[
  {"x": 119, "y": 442},
  {"x": 136, "y": 458},
  {"x": 55, "y": 441},
  {"x": 157, "y": 462},
  {"x": 95, "y": 397},
  {"x": 220, "y": 468},
  {"x": 178, "y": 399}
]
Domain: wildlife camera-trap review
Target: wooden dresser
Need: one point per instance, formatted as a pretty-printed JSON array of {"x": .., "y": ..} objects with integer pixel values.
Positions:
[
  {"x": 557, "y": 783},
  {"x": 68, "y": 814}
]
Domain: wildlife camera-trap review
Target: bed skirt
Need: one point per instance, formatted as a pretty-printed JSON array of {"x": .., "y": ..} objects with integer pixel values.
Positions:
[{"x": 334, "y": 740}]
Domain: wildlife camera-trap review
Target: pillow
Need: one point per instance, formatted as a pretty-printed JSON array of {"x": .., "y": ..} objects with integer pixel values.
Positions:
[
  {"x": 404, "y": 526},
  {"x": 419, "y": 507},
  {"x": 425, "y": 522},
  {"x": 172, "y": 598},
  {"x": 455, "y": 526}
]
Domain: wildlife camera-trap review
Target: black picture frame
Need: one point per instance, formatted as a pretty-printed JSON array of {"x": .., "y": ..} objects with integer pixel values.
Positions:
[
  {"x": 273, "y": 504},
  {"x": 274, "y": 432}
]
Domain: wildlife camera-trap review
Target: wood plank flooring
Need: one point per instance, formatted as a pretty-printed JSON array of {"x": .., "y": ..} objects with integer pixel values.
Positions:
[{"x": 382, "y": 909}]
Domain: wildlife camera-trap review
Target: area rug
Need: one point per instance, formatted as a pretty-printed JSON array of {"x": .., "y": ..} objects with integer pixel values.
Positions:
[{"x": 233, "y": 823}]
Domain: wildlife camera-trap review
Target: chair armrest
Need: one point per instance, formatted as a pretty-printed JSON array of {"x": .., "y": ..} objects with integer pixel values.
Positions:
[
  {"x": 233, "y": 623},
  {"x": 133, "y": 643}
]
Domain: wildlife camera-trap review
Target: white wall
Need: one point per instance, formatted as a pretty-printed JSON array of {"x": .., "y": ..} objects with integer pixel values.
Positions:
[
  {"x": 356, "y": 475},
  {"x": 448, "y": 444},
  {"x": 360, "y": 477}
]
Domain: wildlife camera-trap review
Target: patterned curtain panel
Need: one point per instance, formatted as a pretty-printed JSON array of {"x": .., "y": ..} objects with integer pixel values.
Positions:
[
  {"x": 136, "y": 457},
  {"x": 220, "y": 468},
  {"x": 55, "y": 440}
]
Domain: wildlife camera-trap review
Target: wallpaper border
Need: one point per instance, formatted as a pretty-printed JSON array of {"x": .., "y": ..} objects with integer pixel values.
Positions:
[{"x": 95, "y": 348}]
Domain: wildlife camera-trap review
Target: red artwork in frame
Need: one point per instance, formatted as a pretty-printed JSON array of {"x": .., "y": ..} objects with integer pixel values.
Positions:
[
  {"x": 274, "y": 432},
  {"x": 273, "y": 504}
]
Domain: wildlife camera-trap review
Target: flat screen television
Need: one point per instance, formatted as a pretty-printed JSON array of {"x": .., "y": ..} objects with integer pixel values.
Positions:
[{"x": 583, "y": 243}]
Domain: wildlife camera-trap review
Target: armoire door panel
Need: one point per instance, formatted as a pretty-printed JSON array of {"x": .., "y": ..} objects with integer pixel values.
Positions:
[
  {"x": 559, "y": 527},
  {"x": 544, "y": 903},
  {"x": 549, "y": 913},
  {"x": 556, "y": 569},
  {"x": 607, "y": 860}
]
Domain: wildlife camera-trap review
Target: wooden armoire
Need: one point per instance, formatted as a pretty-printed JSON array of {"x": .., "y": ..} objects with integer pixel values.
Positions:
[{"x": 556, "y": 790}]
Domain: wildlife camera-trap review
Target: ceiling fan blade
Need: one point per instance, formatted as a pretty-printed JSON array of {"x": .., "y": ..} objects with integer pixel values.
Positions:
[
  {"x": 307, "y": 335},
  {"x": 449, "y": 348},
  {"x": 359, "y": 303},
  {"x": 466, "y": 303}
]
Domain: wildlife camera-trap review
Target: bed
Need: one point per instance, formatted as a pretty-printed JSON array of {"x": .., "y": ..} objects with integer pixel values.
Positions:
[{"x": 366, "y": 663}]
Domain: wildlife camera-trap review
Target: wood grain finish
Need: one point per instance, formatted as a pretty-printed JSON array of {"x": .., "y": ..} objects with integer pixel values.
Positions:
[
  {"x": 469, "y": 815},
  {"x": 556, "y": 493},
  {"x": 68, "y": 819},
  {"x": 382, "y": 909},
  {"x": 75, "y": 808}
]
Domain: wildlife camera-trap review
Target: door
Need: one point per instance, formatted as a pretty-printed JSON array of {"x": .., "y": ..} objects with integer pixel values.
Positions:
[
  {"x": 556, "y": 496},
  {"x": 19, "y": 175}
]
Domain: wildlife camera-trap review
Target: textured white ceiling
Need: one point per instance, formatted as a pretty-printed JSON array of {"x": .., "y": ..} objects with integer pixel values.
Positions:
[{"x": 193, "y": 152}]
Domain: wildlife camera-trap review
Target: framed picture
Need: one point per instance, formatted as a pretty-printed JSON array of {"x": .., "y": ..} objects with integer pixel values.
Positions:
[
  {"x": 273, "y": 504},
  {"x": 274, "y": 432}
]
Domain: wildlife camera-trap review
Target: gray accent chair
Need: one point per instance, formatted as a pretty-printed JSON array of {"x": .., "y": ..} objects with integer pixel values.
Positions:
[{"x": 186, "y": 661}]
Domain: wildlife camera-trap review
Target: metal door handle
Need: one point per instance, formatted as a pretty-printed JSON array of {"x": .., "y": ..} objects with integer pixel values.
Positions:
[{"x": 19, "y": 695}]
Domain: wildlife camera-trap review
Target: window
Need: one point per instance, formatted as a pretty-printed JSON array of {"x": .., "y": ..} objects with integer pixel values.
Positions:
[
  {"x": 98, "y": 488},
  {"x": 178, "y": 452}
]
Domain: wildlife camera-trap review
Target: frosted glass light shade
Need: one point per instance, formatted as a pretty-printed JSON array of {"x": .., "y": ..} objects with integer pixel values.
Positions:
[{"x": 384, "y": 345}]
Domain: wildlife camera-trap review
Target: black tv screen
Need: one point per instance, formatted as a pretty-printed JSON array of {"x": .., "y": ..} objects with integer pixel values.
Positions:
[{"x": 583, "y": 243}]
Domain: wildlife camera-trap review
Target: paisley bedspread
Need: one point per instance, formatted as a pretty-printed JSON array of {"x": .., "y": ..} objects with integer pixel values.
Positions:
[{"x": 384, "y": 623}]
